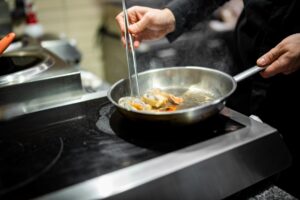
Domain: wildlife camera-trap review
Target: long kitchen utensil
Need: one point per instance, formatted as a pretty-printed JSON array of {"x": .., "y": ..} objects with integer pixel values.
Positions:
[
  {"x": 183, "y": 79},
  {"x": 131, "y": 60},
  {"x": 5, "y": 42}
]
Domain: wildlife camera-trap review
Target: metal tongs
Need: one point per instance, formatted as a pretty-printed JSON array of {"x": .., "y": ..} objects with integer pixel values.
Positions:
[{"x": 131, "y": 60}]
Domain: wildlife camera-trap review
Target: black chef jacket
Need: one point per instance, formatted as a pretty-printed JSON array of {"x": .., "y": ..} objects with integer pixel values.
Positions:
[{"x": 261, "y": 26}]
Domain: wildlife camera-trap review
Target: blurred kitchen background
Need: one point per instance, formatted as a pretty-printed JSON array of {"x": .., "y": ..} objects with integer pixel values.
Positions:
[{"x": 94, "y": 46}]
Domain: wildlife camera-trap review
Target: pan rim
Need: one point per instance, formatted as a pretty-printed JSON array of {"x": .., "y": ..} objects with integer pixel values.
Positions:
[{"x": 183, "y": 111}]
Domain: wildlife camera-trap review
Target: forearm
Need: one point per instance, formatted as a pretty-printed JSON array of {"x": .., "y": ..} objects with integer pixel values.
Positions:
[{"x": 189, "y": 12}]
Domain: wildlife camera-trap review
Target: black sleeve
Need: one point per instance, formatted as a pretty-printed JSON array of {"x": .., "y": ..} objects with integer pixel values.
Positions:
[{"x": 189, "y": 12}]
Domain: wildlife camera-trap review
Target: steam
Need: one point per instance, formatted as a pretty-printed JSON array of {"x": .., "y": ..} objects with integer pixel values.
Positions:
[{"x": 200, "y": 47}]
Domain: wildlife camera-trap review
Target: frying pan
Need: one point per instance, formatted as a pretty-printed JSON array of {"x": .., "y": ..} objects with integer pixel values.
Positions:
[{"x": 189, "y": 80}]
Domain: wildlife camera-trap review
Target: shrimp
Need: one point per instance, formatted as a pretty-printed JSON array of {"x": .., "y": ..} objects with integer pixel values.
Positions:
[{"x": 154, "y": 100}]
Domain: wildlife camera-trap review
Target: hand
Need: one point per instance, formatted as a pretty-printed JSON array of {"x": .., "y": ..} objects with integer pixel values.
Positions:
[
  {"x": 284, "y": 58},
  {"x": 147, "y": 23},
  {"x": 227, "y": 15}
]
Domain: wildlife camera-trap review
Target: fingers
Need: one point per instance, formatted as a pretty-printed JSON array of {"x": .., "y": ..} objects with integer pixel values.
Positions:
[
  {"x": 280, "y": 65},
  {"x": 140, "y": 26},
  {"x": 269, "y": 57},
  {"x": 136, "y": 41},
  {"x": 134, "y": 15},
  {"x": 271, "y": 70},
  {"x": 123, "y": 40},
  {"x": 120, "y": 20},
  {"x": 274, "y": 61}
]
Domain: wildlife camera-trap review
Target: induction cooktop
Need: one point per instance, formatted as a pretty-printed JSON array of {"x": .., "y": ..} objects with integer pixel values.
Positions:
[{"x": 87, "y": 150}]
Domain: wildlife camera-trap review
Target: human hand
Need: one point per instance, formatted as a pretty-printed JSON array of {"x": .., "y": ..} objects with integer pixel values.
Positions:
[
  {"x": 284, "y": 58},
  {"x": 227, "y": 16},
  {"x": 146, "y": 23}
]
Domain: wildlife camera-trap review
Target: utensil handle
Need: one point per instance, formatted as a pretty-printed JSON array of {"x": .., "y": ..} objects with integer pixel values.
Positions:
[
  {"x": 5, "y": 42},
  {"x": 247, "y": 73}
]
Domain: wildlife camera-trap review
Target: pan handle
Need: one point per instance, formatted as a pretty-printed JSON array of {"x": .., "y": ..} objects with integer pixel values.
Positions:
[{"x": 247, "y": 73}]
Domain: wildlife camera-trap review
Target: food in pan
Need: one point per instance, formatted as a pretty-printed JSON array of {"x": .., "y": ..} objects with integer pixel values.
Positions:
[
  {"x": 133, "y": 103},
  {"x": 153, "y": 100}
]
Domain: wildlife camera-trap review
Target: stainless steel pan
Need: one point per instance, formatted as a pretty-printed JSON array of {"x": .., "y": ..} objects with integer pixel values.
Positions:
[{"x": 182, "y": 80}]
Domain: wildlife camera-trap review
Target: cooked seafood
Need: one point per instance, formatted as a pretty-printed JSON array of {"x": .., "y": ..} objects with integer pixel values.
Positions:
[
  {"x": 134, "y": 103},
  {"x": 153, "y": 100}
]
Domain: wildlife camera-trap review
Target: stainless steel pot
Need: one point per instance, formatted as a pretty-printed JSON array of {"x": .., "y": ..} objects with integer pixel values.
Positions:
[
  {"x": 219, "y": 84},
  {"x": 22, "y": 65}
]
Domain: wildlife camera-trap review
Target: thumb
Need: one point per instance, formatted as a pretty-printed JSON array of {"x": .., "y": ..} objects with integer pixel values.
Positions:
[
  {"x": 140, "y": 26},
  {"x": 269, "y": 57}
]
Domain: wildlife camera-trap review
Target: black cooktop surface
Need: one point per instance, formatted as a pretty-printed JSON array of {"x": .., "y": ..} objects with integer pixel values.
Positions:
[{"x": 52, "y": 149}]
